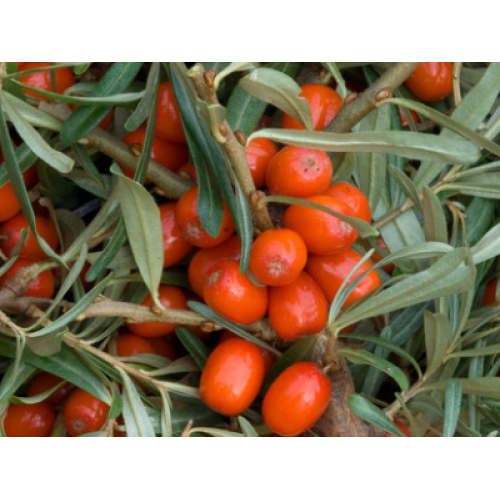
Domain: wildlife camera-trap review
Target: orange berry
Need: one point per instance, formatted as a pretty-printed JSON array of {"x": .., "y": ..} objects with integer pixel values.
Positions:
[
  {"x": 490, "y": 293},
  {"x": 46, "y": 381},
  {"x": 431, "y": 81},
  {"x": 84, "y": 413},
  {"x": 404, "y": 120},
  {"x": 403, "y": 429},
  {"x": 377, "y": 257},
  {"x": 168, "y": 124},
  {"x": 128, "y": 344},
  {"x": 353, "y": 197},
  {"x": 9, "y": 206},
  {"x": 64, "y": 79},
  {"x": 35, "y": 420},
  {"x": 259, "y": 153},
  {"x": 163, "y": 347}
]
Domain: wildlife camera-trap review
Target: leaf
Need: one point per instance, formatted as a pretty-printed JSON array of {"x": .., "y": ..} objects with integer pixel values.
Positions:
[
  {"x": 335, "y": 72},
  {"x": 405, "y": 184},
  {"x": 232, "y": 68},
  {"x": 477, "y": 351},
  {"x": 195, "y": 346},
  {"x": 412, "y": 145},
  {"x": 9, "y": 384},
  {"x": 245, "y": 228},
  {"x": 246, "y": 427},
  {"x": 486, "y": 387},
  {"x": 361, "y": 357},
  {"x": 478, "y": 217},
  {"x": 437, "y": 338},
  {"x": 281, "y": 91},
  {"x": 372, "y": 414},
  {"x": 86, "y": 118},
  {"x": 25, "y": 158},
  {"x": 488, "y": 246},
  {"x": 453, "y": 399}
]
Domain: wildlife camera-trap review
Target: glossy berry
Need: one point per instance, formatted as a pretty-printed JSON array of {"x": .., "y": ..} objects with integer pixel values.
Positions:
[
  {"x": 36, "y": 420},
  {"x": 431, "y": 81},
  {"x": 42, "y": 287},
  {"x": 47, "y": 381},
  {"x": 175, "y": 247},
  {"x": 84, "y": 413},
  {"x": 299, "y": 172},
  {"x": 353, "y": 197},
  {"x": 233, "y": 295},
  {"x": 331, "y": 270},
  {"x": 296, "y": 399},
  {"x": 11, "y": 233},
  {"x": 259, "y": 153},
  {"x": 168, "y": 119},
  {"x": 401, "y": 427},
  {"x": 322, "y": 233},
  {"x": 490, "y": 293},
  {"x": 278, "y": 256},
  {"x": 170, "y": 296},
  {"x": 30, "y": 177},
  {"x": 232, "y": 377},
  {"x": 64, "y": 79},
  {"x": 404, "y": 120},
  {"x": 297, "y": 309},
  {"x": 324, "y": 103},
  {"x": 128, "y": 344},
  {"x": 163, "y": 347},
  {"x": 168, "y": 154},
  {"x": 186, "y": 216},
  {"x": 9, "y": 206}
]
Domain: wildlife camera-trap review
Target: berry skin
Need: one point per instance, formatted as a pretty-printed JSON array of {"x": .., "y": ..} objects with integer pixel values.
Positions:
[
  {"x": 404, "y": 120},
  {"x": 9, "y": 206},
  {"x": 11, "y": 230},
  {"x": 129, "y": 344},
  {"x": 170, "y": 296},
  {"x": 175, "y": 247},
  {"x": 163, "y": 347},
  {"x": 259, "y": 153},
  {"x": 232, "y": 377},
  {"x": 84, "y": 413},
  {"x": 353, "y": 197},
  {"x": 299, "y": 172},
  {"x": 490, "y": 293},
  {"x": 297, "y": 309},
  {"x": 278, "y": 257},
  {"x": 186, "y": 216},
  {"x": 233, "y": 295},
  {"x": 168, "y": 154},
  {"x": 36, "y": 420},
  {"x": 296, "y": 399},
  {"x": 331, "y": 270},
  {"x": 431, "y": 81},
  {"x": 324, "y": 103},
  {"x": 47, "y": 381},
  {"x": 64, "y": 79},
  {"x": 42, "y": 287},
  {"x": 168, "y": 124},
  {"x": 322, "y": 233},
  {"x": 202, "y": 261},
  {"x": 403, "y": 429}
]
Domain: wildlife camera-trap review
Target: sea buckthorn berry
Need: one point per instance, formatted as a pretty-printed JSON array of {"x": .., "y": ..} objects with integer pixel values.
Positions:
[
  {"x": 490, "y": 293},
  {"x": 322, "y": 233},
  {"x": 168, "y": 124},
  {"x": 42, "y": 287},
  {"x": 36, "y": 420},
  {"x": 404, "y": 120},
  {"x": 163, "y": 347},
  {"x": 168, "y": 154},
  {"x": 186, "y": 215},
  {"x": 401, "y": 427},
  {"x": 188, "y": 171},
  {"x": 9, "y": 206},
  {"x": 46, "y": 381},
  {"x": 204, "y": 259},
  {"x": 353, "y": 197},
  {"x": 297, "y": 309},
  {"x": 431, "y": 81},
  {"x": 104, "y": 123},
  {"x": 170, "y": 296},
  {"x": 64, "y": 79},
  {"x": 377, "y": 257},
  {"x": 232, "y": 294},
  {"x": 278, "y": 257},
  {"x": 259, "y": 153},
  {"x": 175, "y": 247},
  {"x": 84, "y": 413},
  {"x": 232, "y": 377},
  {"x": 296, "y": 399},
  {"x": 331, "y": 270},
  {"x": 11, "y": 232},
  {"x": 30, "y": 177},
  {"x": 299, "y": 172},
  {"x": 324, "y": 103},
  {"x": 128, "y": 344}
]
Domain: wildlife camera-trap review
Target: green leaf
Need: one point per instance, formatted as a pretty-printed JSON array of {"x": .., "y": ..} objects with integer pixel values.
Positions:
[
  {"x": 335, "y": 72},
  {"x": 246, "y": 427},
  {"x": 486, "y": 387},
  {"x": 195, "y": 346},
  {"x": 245, "y": 228},
  {"x": 25, "y": 158},
  {"x": 405, "y": 184},
  {"x": 453, "y": 400},
  {"x": 232, "y": 68},
  {"x": 437, "y": 338},
  {"x": 478, "y": 217},
  {"x": 488, "y": 246},
  {"x": 477, "y": 351},
  {"x": 281, "y": 91},
  {"x": 10, "y": 384}
]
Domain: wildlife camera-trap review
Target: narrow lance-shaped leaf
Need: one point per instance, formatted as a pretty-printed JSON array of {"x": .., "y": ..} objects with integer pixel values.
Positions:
[
  {"x": 437, "y": 338},
  {"x": 195, "y": 346}
]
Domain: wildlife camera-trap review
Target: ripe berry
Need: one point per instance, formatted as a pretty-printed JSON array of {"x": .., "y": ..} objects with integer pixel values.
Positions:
[
  {"x": 278, "y": 257},
  {"x": 331, "y": 270},
  {"x": 84, "y": 413},
  {"x": 403, "y": 429},
  {"x": 404, "y": 120},
  {"x": 296, "y": 399},
  {"x": 46, "y": 381},
  {"x": 233, "y": 295},
  {"x": 299, "y": 172},
  {"x": 129, "y": 344},
  {"x": 36, "y": 420},
  {"x": 64, "y": 79},
  {"x": 9, "y": 206},
  {"x": 324, "y": 103},
  {"x": 204, "y": 259},
  {"x": 431, "y": 81},
  {"x": 11, "y": 232},
  {"x": 170, "y": 296},
  {"x": 322, "y": 233},
  {"x": 186, "y": 216},
  {"x": 299, "y": 308},
  {"x": 232, "y": 377},
  {"x": 259, "y": 153},
  {"x": 168, "y": 154},
  {"x": 175, "y": 247},
  {"x": 353, "y": 197},
  {"x": 168, "y": 124},
  {"x": 163, "y": 347},
  {"x": 490, "y": 293}
]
